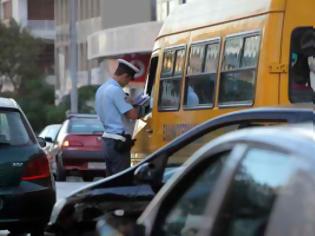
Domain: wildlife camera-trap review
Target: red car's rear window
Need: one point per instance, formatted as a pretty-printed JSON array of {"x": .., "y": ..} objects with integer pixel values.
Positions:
[{"x": 85, "y": 126}]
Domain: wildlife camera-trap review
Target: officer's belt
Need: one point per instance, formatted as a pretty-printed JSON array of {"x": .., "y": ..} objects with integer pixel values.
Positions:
[{"x": 114, "y": 136}]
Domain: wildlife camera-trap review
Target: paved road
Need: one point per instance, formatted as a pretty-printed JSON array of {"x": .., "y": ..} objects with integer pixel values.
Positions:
[
  {"x": 66, "y": 188},
  {"x": 63, "y": 190}
]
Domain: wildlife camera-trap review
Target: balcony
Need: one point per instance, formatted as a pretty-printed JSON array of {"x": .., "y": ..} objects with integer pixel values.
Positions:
[
  {"x": 44, "y": 29},
  {"x": 123, "y": 40}
]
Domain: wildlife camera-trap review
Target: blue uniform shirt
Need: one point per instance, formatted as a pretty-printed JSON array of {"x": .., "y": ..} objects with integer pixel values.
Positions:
[{"x": 110, "y": 105}]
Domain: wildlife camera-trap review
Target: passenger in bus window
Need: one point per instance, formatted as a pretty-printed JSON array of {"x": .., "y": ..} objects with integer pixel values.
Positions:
[
  {"x": 192, "y": 97},
  {"x": 311, "y": 63},
  {"x": 302, "y": 73},
  {"x": 308, "y": 47}
]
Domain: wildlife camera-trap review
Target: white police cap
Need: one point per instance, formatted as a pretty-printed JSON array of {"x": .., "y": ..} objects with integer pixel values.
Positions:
[{"x": 129, "y": 65}]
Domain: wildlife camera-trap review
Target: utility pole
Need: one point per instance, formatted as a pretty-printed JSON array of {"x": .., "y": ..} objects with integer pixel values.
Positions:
[
  {"x": 73, "y": 55},
  {"x": 153, "y": 10}
]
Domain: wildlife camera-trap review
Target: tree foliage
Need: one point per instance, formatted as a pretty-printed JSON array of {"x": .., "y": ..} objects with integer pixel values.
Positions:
[
  {"x": 18, "y": 55},
  {"x": 19, "y": 65}
]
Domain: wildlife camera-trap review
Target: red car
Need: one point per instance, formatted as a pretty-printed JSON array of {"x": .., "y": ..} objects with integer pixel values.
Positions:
[{"x": 78, "y": 148}]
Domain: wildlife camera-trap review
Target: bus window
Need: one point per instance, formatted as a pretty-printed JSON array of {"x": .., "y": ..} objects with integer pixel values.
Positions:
[
  {"x": 168, "y": 63},
  {"x": 302, "y": 65},
  {"x": 170, "y": 82},
  {"x": 239, "y": 69},
  {"x": 201, "y": 74}
]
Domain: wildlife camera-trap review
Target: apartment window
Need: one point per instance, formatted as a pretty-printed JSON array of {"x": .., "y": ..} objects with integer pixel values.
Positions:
[
  {"x": 7, "y": 9},
  {"x": 165, "y": 7},
  {"x": 89, "y": 9},
  {"x": 40, "y": 10},
  {"x": 65, "y": 14},
  {"x": 97, "y": 8}
]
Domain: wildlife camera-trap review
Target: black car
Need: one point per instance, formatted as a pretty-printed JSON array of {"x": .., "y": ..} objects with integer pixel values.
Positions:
[
  {"x": 128, "y": 193},
  {"x": 27, "y": 188},
  {"x": 78, "y": 148},
  {"x": 251, "y": 182}
]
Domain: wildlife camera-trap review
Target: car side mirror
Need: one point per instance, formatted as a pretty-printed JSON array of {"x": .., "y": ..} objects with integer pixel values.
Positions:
[
  {"x": 49, "y": 139},
  {"x": 145, "y": 173},
  {"x": 41, "y": 142}
]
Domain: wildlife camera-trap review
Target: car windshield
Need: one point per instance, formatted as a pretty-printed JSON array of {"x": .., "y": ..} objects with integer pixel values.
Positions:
[
  {"x": 50, "y": 131},
  {"x": 85, "y": 125},
  {"x": 13, "y": 130}
]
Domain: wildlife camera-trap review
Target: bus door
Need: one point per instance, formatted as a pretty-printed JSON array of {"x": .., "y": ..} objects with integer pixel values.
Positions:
[
  {"x": 298, "y": 50},
  {"x": 143, "y": 128}
]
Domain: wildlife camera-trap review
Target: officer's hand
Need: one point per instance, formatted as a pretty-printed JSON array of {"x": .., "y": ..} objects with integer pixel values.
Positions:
[{"x": 130, "y": 100}]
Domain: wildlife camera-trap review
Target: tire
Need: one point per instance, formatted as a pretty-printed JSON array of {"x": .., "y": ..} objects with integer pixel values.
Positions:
[
  {"x": 39, "y": 232},
  {"x": 60, "y": 171},
  {"x": 12, "y": 233}
]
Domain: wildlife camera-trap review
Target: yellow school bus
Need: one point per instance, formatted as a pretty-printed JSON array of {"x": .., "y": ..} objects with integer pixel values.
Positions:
[{"x": 218, "y": 56}]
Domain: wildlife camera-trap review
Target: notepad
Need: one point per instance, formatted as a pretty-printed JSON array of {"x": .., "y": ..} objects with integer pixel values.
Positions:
[{"x": 141, "y": 99}]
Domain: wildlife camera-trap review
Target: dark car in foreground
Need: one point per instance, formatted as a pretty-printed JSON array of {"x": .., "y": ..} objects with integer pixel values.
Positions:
[
  {"x": 127, "y": 193},
  {"x": 252, "y": 182},
  {"x": 78, "y": 148},
  {"x": 27, "y": 188}
]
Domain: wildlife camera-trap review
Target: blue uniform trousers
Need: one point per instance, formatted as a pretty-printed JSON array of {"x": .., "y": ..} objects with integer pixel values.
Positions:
[{"x": 115, "y": 161}]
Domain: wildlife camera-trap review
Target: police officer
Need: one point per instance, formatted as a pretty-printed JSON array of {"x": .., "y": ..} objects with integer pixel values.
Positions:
[{"x": 115, "y": 112}]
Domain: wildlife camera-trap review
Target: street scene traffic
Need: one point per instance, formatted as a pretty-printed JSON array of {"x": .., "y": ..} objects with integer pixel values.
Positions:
[{"x": 157, "y": 117}]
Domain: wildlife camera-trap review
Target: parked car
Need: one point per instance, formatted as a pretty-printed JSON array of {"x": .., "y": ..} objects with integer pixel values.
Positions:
[
  {"x": 27, "y": 188},
  {"x": 78, "y": 148},
  {"x": 49, "y": 133},
  {"x": 128, "y": 193},
  {"x": 250, "y": 182}
]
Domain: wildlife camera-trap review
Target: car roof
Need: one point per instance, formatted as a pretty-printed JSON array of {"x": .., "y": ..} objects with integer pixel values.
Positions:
[
  {"x": 292, "y": 114},
  {"x": 81, "y": 115},
  {"x": 296, "y": 139},
  {"x": 8, "y": 103}
]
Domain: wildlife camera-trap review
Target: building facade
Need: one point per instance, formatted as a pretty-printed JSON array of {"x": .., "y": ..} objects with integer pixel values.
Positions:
[
  {"x": 106, "y": 30},
  {"x": 165, "y": 7}
]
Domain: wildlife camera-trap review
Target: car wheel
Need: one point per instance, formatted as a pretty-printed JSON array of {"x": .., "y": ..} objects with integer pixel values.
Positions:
[
  {"x": 12, "y": 233},
  {"x": 88, "y": 178},
  {"x": 60, "y": 171}
]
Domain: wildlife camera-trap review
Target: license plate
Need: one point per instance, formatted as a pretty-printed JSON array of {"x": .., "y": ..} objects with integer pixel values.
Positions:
[{"x": 97, "y": 165}]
